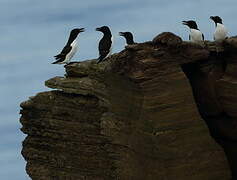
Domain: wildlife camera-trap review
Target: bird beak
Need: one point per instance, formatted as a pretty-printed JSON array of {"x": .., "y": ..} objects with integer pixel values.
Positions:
[
  {"x": 82, "y": 30},
  {"x": 121, "y": 33},
  {"x": 184, "y": 23},
  {"x": 97, "y": 29}
]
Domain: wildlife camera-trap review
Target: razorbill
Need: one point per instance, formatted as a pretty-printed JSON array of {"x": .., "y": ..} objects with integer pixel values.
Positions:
[
  {"x": 70, "y": 49},
  {"x": 195, "y": 34},
  {"x": 105, "y": 44},
  {"x": 128, "y": 36},
  {"x": 221, "y": 32}
]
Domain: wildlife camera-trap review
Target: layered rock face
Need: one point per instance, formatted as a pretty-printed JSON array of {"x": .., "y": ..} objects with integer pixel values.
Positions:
[{"x": 160, "y": 110}]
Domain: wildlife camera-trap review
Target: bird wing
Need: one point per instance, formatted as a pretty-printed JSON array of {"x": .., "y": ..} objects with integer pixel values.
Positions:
[
  {"x": 61, "y": 57},
  {"x": 104, "y": 48},
  {"x": 189, "y": 37},
  {"x": 64, "y": 52},
  {"x": 203, "y": 37}
]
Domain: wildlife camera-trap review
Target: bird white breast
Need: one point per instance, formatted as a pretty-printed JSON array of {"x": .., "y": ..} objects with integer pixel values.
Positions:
[
  {"x": 195, "y": 35},
  {"x": 72, "y": 52},
  {"x": 220, "y": 33}
]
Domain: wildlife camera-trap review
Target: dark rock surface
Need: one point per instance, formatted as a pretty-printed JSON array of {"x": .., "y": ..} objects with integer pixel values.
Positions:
[{"x": 160, "y": 110}]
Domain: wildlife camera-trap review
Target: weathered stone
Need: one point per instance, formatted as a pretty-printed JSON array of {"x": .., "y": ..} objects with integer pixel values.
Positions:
[
  {"x": 167, "y": 38},
  {"x": 143, "y": 114}
]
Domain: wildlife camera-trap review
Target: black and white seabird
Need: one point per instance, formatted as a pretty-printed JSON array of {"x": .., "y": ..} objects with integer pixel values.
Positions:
[
  {"x": 70, "y": 49},
  {"x": 128, "y": 36},
  {"x": 195, "y": 34},
  {"x": 105, "y": 44},
  {"x": 221, "y": 32}
]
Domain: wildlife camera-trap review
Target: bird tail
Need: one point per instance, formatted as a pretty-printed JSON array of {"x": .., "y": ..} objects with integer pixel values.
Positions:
[
  {"x": 59, "y": 58},
  {"x": 56, "y": 62},
  {"x": 101, "y": 58}
]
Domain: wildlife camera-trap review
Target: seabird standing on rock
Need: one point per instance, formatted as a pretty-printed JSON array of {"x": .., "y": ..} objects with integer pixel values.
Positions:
[
  {"x": 128, "y": 36},
  {"x": 195, "y": 34},
  {"x": 105, "y": 44},
  {"x": 220, "y": 33},
  {"x": 70, "y": 49}
]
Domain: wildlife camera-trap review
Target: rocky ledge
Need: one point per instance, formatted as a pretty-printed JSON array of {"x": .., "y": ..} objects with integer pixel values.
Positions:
[{"x": 159, "y": 110}]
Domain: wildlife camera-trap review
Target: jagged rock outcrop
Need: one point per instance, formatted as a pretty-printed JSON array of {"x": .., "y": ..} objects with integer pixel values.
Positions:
[{"x": 160, "y": 110}]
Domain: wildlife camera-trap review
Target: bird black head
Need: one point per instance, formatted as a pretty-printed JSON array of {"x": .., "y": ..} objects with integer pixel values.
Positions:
[
  {"x": 77, "y": 30},
  {"x": 216, "y": 19},
  {"x": 128, "y": 36},
  {"x": 74, "y": 33},
  {"x": 191, "y": 24},
  {"x": 103, "y": 29}
]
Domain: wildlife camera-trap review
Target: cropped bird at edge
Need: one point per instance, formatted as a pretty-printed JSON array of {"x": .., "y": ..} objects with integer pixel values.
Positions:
[
  {"x": 195, "y": 34},
  {"x": 70, "y": 49},
  {"x": 221, "y": 32},
  {"x": 128, "y": 36},
  {"x": 105, "y": 44}
]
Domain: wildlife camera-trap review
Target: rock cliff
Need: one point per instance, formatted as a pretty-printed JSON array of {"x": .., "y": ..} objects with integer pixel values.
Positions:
[{"x": 159, "y": 110}]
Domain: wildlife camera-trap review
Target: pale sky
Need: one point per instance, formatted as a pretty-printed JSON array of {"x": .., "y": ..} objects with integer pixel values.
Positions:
[{"x": 32, "y": 32}]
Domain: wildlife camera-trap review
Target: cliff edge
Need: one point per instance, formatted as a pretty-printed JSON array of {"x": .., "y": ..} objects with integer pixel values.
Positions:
[{"x": 159, "y": 110}]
